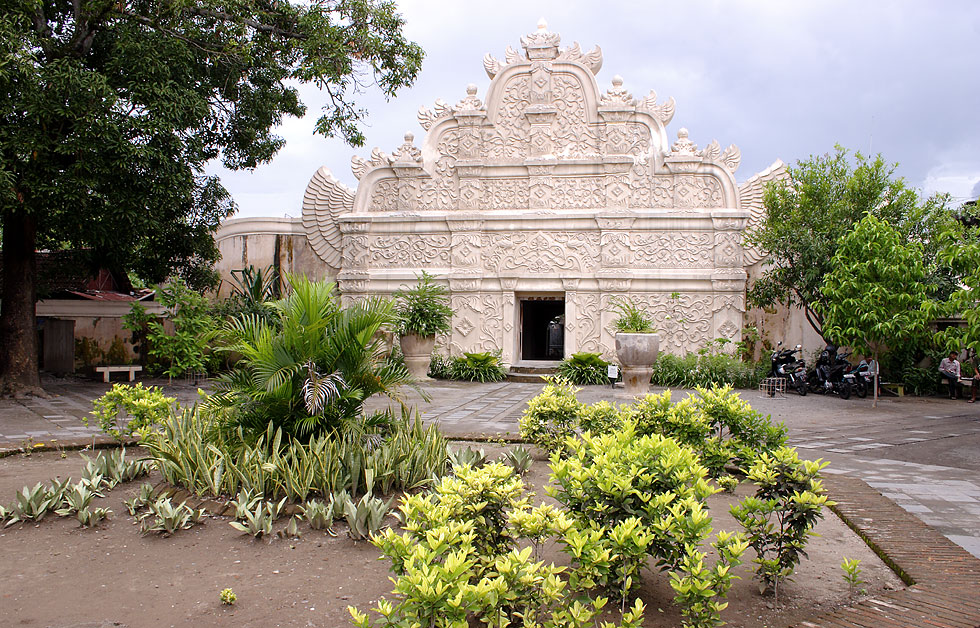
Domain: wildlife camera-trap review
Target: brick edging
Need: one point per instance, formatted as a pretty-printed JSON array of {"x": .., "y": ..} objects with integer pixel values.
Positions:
[{"x": 944, "y": 578}]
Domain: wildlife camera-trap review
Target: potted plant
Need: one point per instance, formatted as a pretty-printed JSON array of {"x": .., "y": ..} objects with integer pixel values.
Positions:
[
  {"x": 423, "y": 311},
  {"x": 637, "y": 344}
]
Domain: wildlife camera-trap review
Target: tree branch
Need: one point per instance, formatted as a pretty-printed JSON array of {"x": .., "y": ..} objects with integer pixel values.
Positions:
[{"x": 259, "y": 26}]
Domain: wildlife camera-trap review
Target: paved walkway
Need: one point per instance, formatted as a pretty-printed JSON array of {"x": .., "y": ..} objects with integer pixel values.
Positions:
[{"x": 922, "y": 454}]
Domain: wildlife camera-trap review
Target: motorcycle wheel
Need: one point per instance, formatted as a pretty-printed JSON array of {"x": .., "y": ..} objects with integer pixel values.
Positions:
[
  {"x": 845, "y": 390},
  {"x": 801, "y": 387},
  {"x": 861, "y": 389}
]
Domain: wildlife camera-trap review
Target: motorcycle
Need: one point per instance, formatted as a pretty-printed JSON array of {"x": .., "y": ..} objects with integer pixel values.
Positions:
[
  {"x": 785, "y": 365},
  {"x": 863, "y": 380},
  {"x": 830, "y": 375}
]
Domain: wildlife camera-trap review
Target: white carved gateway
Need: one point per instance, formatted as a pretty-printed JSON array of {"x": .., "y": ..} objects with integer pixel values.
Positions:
[{"x": 548, "y": 188}]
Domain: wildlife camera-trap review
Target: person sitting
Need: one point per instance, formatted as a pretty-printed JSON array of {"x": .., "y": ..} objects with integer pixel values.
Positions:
[
  {"x": 949, "y": 368},
  {"x": 973, "y": 368}
]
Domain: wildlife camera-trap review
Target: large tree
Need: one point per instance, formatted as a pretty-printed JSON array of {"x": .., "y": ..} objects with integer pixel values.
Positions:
[
  {"x": 110, "y": 109},
  {"x": 808, "y": 214},
  {"x": 875, "y": 295}
]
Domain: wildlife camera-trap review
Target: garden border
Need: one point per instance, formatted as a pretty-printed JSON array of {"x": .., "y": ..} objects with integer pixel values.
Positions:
[{"x": 944, "y": 578}]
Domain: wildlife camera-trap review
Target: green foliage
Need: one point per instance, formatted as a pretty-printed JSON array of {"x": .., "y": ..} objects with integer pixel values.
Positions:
[
  {"x": 960, "y": 253},
  {"x": 112, "y": 468},
  {"x": 423, "y": 309},
  {"x": 191, "y": 452},
  {"x": 456, "y": 563},
  {"x": 552, "y": 416},
  {"x": 603, "y": 416},
  {"x": 142, "y": 498},
  {"x": 188, "y": 311},
  {"x": 608, "y": 478},
  {"x": 441, "y": 366},
  {"x": 146, "y": 406},
  {"x": 163, "y": 517},
  {"x": 779, "y": 519},
  {"x": 727, "y": 483},
  {"x": 466, "y": 457},
  {"x": 518, "y": 458},
  {"x": 309, "y": 371},
  {"x": 852, "y": 574},
  {"x": 920, "y": 381},
  {"x": 699, "y": 588},
  {"x": 706, "y": 368},
  {"x": 257, "y": 522},
  {"x": 117, "y": 353},
  {"x": 584, "y": 369},
  {"x": 875, "y": 294},
  {"x": 228, "y": 597},
  {"x": 366, "y": 517},
  {"x": 318, "y": 514},
  {"x": 808, "y": 214},
  {"x": 630, "y": 317},
  {"x": 32, "y": 504},
  {"x": 478, "y": 367}
]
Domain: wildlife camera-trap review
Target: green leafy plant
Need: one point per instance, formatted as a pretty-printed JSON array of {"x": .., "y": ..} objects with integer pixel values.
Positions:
[
  {"x": 518, "y": 458},
  {"x": 117, "y": 353},
  {"x": 311, "y": 339},
  {"x": 584, "y": 369},
  {"x": 699, "y": 589},
  {"x": 163, "y": 517},
  {"x": 400, "y": 452},
  {"x": 257, "y": 523},
  {"x": 32, "y": 504},
  {"x": 140, "y": 500},
  {"x": 109, "y": 469},
  {"x": 852, "y": 574},
  {"x": 779, "y": 519},
  {"x": 187, "y": 311},
  {"x": 366, "y": 517},
  {"x": 603, "y": 416},
  {"x": 244, "y": 502},
  {"x": 441, "y": 366},
  {"x": 630, "y": 317},
  {"x": 706, "y": 368},
  {"x": 228, "y": 597},
  {"x": 478, "y": 367},
  {"x": 318, "y": 514},
  {"x": 423, "y": 309},
  {"x": 146, "y": 406},
  {"x": 727, "y": 483},
  {"x": 552, "y": 416},
  {"x": 467, "y": 456}
]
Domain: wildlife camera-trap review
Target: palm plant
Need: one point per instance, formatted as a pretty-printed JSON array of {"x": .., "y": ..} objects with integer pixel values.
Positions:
[{"x": 309, "y": 370}]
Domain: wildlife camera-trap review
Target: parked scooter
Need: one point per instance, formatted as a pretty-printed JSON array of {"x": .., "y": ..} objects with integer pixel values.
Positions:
[
  {"x": 863, "y": 380},
  {"x": 784, "y": 364},
  {"x": 830, "y": 374}
]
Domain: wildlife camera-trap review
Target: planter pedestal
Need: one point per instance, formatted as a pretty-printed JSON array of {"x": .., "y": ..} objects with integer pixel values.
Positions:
[
  {"x": 418, "y": 354},
  {"x": 637, "y": 353}
]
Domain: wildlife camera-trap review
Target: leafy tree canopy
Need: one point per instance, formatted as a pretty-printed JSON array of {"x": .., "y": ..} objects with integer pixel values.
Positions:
[
  {"x": 808, "y": 214},
  {"x": 110, "y": 109},
  {"x": 875, "y": 294}
]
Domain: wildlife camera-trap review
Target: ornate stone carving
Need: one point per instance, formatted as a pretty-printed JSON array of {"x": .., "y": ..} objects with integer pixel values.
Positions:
[
  {"x": 678, "y": 249},
  {"x": 378, "y": 160},
  {"x": 325, "y": 201},
  {"x": 587, "y": 325},
  {"x": 540, "y": 252},
  {"x": 409, "y": 251},
  {"x": 492, "y": 327},
  {"x": 751, "y": 194},
  {"x": 728, "y": 250},
  {"x": 617, "y": 94},
  {"x": 663, "y": 112},
  {"x": 591, "y": 59},
  {"x": 697, "y": 191}
]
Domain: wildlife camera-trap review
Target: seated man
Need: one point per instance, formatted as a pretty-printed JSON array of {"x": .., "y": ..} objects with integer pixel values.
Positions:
[{"x": 949, "y": 368}]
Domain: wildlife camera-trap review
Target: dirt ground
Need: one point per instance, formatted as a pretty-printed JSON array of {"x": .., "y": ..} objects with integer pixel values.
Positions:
[{"x": 57, "y": 574}]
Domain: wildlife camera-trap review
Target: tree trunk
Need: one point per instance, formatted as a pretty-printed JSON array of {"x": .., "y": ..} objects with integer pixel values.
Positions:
[{"x": 18, "y": 323}]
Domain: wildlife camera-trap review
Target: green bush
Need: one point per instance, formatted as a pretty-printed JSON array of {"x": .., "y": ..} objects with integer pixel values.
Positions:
[
  {"x": 920, "y": 382},
  {"x": 146, "y": 406},
  {"x": 309, "y": 371},
  {"x": 704, "y": 369},
  {"x": 603, "y": 416},
  {"x": 780, "y": 518},
  {"x": 584, "y": 369},
  {"x": 457, "y": 563},
  {"x": 441, "y": 366},
  {"x": 478, "y": 367},
  {"x": 423, "y": 309},
  {"x": 397, "y": 453},
  {"x": 552, "y": 416},
  {"x": 630, "y": 317}
]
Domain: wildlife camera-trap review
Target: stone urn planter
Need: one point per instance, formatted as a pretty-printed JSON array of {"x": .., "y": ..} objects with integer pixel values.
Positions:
[
  {"x": 418, "y": 353},
  {"x": 637, "y": 353}
]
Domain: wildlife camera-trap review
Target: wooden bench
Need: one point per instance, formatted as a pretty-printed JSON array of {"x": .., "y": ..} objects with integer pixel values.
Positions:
[
  {"x": 106, "y": 370},
  {"x": 893, "y": 388}
]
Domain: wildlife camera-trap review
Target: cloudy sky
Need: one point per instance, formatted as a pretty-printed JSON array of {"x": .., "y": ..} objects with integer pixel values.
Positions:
[{"x": 782, "y": 79}]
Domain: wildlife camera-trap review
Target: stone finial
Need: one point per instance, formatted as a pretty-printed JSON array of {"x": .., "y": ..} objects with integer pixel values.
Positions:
[
  {"x": 471, "y": 102},
  {"x": 617, "y": 94},
  {"x": 542, "y": 44},
  {"x": 683, "y": 145},
  {"x": 408, "y": 151}
]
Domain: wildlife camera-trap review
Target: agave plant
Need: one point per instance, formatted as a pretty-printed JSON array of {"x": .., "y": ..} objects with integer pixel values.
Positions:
[
  {"x": 167, "y": 519},
  {"x": 366, "y": 516},
  {"x": 33, "y": 503},
  {"x": 310, "y": 369}
]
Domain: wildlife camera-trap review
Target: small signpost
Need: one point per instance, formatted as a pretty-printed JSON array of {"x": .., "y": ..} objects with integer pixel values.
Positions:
[{"x": 612, "y": 371}]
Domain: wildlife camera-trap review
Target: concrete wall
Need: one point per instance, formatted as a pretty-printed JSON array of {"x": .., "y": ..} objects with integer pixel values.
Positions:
[{"x": 263, "y": 242}]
